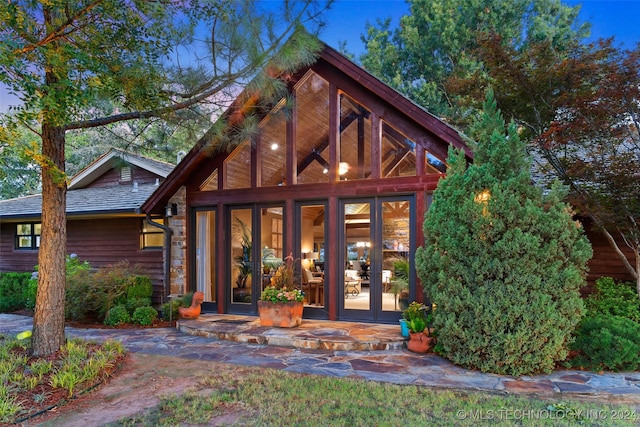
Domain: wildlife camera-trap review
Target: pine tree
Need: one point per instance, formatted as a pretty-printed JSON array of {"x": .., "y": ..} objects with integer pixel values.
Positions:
[{"x": 502, "y": 262}]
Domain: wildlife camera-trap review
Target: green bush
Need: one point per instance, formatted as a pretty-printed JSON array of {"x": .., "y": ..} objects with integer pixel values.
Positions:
[
  {"x": 13, "y": 291},
  {"x": 144, "y": 315},
  {"x": 133, "y": 303},
  {"x": 31, "y": 292},
  {"x": 607, "y": 342},
  {"x": 169, "y": 310},
  {"x": 93, "y": 293},
  {"x": 503, "y": 261},
  {"x": 117, "y": 315},
  {"x": 614, "y": 299},
  {"x": 79, "y": 298},
  {"x": 140, "y": 288}
]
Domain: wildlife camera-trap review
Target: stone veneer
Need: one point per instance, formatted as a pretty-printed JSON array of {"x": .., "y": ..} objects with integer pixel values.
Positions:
[{"x": 177, "y": 223}]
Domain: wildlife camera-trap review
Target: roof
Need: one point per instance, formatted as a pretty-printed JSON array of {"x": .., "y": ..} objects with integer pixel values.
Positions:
[
  {"x": 85, "y": 201},
  {"x": 336, "y": 61},
  {"x": 103, "y": 163},
  {"x": 115, "y": 200}
]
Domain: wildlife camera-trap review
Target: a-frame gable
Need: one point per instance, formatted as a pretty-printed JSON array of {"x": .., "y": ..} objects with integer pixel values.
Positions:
[{"x": 402, "y": 116}]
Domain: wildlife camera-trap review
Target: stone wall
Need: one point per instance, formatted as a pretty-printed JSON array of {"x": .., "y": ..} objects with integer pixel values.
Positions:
[{"x": 177, "y": 223}]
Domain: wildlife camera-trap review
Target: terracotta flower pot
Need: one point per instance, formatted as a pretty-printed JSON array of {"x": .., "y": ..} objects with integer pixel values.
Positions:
[
  {"x": 419, "y": 342},
  {"x": 280, "y": 314}
]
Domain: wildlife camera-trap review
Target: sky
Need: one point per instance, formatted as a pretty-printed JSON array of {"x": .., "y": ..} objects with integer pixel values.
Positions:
[{"x": 347, "y": 19}]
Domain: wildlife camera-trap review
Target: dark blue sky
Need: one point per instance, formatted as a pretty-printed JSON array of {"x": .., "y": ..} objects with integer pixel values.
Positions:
[{"x": 347, "y": 19}]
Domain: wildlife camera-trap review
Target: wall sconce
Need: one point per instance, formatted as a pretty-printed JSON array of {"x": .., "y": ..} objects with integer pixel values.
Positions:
[{"x": 171, "y": 210}]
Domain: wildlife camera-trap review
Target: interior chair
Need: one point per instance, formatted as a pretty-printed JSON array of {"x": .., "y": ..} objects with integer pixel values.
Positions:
[
  {"x": 351, "y": 283},
  {"x": 313, "y": 287}
]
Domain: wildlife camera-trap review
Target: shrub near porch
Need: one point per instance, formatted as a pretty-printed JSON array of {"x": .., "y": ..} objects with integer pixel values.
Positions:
[{"x": 503, "y": 263}]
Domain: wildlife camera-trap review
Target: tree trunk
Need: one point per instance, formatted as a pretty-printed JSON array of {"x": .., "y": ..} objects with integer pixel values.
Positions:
[
  {"x": 633, "y": 271},
  {"x": 48, "y": 320}
]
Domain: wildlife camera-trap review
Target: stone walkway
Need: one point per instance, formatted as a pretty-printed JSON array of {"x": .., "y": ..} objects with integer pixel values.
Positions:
[{"x": 397, "y": 366}]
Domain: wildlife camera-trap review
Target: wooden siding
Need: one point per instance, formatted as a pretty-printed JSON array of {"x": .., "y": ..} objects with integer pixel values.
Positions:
[
  {"x": 605, "y": 261},
  {"x": 112, "y": 178},
  {"x": 10, "y": 258},
  {"x": 102, "y": 242}
]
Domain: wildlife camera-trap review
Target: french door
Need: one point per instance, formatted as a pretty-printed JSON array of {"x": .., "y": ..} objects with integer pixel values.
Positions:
[
  {"x": 378, "y": 244},
  {"x": 255, "y": 244}
]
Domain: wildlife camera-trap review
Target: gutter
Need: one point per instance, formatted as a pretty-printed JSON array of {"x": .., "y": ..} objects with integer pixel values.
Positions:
[{"x": 167, "y": 250}]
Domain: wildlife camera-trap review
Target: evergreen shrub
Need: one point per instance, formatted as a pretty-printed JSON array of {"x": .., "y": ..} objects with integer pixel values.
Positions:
[
  {"x": 607, "y": 342},
  {"x": 93, "y": 293},
  {"x": 31, "y": 292},
  {"x": 140, "y": 287},
  {"x": 133, "y": 303},
  {"x": 144, "y": 315},
  {"x": 503, "y": 262},
  {"x": 614, "y": 299},
  {"x": 13, "y": 291},
  {"x": 169, "y": 310},
  {"x": 117, "y": 315}
]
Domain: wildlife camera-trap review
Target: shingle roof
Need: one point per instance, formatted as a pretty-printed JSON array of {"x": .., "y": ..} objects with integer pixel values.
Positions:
[
  {"x": 119, "y": 199},
  {"x": 84, "y": 201}
]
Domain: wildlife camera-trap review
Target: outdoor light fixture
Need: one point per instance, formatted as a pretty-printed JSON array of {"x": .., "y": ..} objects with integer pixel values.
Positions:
[
  {"x": 171, "y": 210},
  {"x": 274, "y": 146},
  {"x": 482, "y": 197}
]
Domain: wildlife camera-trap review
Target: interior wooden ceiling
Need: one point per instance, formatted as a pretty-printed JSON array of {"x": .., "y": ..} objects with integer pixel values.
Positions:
[{"x": 312, "y": 142}]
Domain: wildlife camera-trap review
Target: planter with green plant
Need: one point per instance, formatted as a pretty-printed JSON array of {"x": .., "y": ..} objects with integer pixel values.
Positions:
[
  {"x": 418, "y": 319},
  {"x": 281, "y": 303}
]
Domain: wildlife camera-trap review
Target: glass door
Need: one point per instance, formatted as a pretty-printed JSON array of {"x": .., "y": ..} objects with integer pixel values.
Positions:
[
  {"x": 378, "y": 274},
  {"x": 205, "y": 264},
  {"x": 255, "y": 252},
  {"x": 240, "y": 256}
]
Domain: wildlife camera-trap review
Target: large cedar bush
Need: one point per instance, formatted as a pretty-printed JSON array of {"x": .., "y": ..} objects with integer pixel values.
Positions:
[{"x": 502, "y": 262}]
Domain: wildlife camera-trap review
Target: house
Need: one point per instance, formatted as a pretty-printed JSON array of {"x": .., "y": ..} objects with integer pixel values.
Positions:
[
  {"x": 341, "y": 181},
  {"x": 104, "y": 221}
]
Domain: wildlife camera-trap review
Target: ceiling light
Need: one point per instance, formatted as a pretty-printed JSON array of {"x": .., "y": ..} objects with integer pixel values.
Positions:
[{"x": 343, "y": 168}]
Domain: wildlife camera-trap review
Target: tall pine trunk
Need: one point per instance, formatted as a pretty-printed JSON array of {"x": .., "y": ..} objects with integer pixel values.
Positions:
[{"x": 48, "y": 320}]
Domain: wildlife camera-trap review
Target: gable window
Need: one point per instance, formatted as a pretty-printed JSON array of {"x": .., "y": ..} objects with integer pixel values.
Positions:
[
  {"x": 28, "y": 235},
  {"x": 151, "y": 237}
]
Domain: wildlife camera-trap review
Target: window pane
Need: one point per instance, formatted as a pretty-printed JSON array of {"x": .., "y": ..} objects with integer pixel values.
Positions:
[
  {"x": 355, "y": 140},
  {"x": 312, "y": 134},
  {"x": 153, "y": 240},
  {"x": 241, "y": 243},
  {"x": 273, "y": 140},
  {"x": 150, "y": 228},
  {"x": 312, "y": 247},
  {"x": 238, "y": 171},
  {"x": 24, "y": 229},
  {"x": 24, "y": 241},
  {"x": 206, "y": 254},
  {"x": 398, "y": 153}
]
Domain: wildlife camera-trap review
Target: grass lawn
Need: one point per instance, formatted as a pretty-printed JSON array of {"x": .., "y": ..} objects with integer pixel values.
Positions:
[
  {"x": 250, "y": 396},
  {"x": 225, "y": 394}
]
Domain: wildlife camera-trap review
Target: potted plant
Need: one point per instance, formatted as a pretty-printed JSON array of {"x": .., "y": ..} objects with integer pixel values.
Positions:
[
  {"x": 418, "y": 319},
  {"x": 281, "y": 303},
  {"x": 399, "y": 284}
]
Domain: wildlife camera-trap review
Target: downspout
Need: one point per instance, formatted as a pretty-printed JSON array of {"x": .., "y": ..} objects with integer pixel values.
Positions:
[{"x": 167, "y": 250}]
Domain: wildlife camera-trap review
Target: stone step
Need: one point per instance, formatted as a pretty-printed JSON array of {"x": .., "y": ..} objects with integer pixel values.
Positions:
[{"x": 311, "y": 334}]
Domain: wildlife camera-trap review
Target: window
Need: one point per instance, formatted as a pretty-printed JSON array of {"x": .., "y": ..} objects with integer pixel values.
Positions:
[
  {"x": 28, "y": 236},
  {"x": 152, "y": 236}
]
